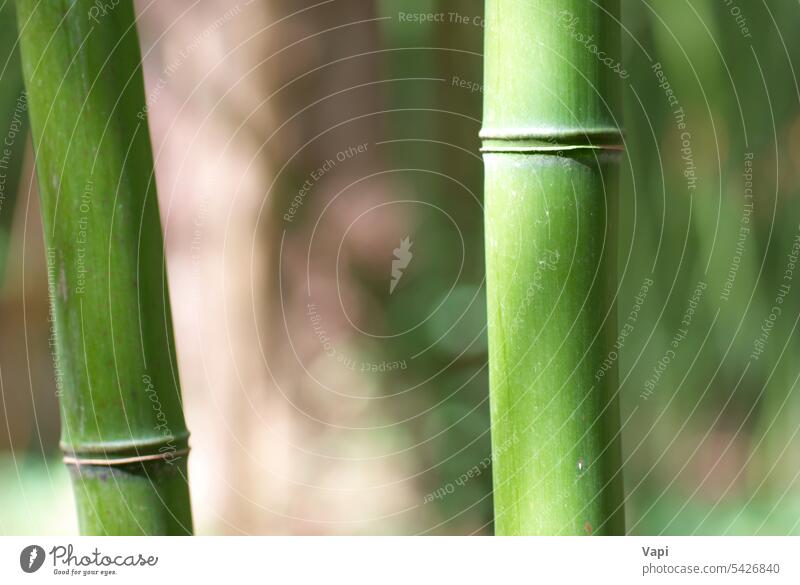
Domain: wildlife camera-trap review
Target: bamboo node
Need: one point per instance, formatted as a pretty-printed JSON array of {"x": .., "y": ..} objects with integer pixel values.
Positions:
[
  {"x": 552, "y": 141},
  {"x": 166, "y": 456}
]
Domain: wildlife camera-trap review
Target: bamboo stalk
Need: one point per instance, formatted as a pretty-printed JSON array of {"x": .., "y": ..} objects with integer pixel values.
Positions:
[
  {"x": 551, "y": 150},
  {"x": 123, "y": 432},
  {"x": 13, "y": 127}
]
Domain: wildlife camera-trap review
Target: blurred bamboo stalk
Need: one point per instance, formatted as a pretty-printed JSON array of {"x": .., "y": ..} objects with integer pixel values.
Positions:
[
  {"x": 14, "y": 126},
  {"x": 551, "y": 150},
  {"x": 123, "y": 432}
]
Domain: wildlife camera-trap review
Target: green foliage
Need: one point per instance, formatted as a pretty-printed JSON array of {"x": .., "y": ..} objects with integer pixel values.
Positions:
[{"x": 716, "y": 436}]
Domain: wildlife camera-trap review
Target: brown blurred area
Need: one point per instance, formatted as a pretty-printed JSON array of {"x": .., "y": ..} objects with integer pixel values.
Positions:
[{"x": 276, "y": 89}]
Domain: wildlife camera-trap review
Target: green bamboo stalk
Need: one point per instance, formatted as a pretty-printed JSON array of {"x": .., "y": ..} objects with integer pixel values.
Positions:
[
  {"x": 13, "y": 126},
  {"x": 551, "y": 150},
  {"x": 123, "y": 432}
]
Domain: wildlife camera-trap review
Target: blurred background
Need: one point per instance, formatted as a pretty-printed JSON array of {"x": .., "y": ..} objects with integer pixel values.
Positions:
[{"x": 320, "y": 185}]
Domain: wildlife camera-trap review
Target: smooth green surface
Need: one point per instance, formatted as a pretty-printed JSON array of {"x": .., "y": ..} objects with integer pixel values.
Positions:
[
  {"x": 541, "y": 75},
  {"x": 548, "y": 270},
  {"x": 122, "y": 499},
  {"x": 550, "y": 253},
  {"x": 116, "y": 369},
  {"x": 13, "y": 126}
]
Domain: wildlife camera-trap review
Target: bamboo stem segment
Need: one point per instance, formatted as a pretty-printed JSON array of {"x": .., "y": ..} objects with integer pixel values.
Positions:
[
  {"x": 551, "y": 143},
  {"x": 123, "y": 431},
  {"x": 13, "y": 127}
]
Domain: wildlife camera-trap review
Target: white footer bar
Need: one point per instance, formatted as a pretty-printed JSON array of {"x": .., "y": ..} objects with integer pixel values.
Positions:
[{"x": 401, "y": 560}]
